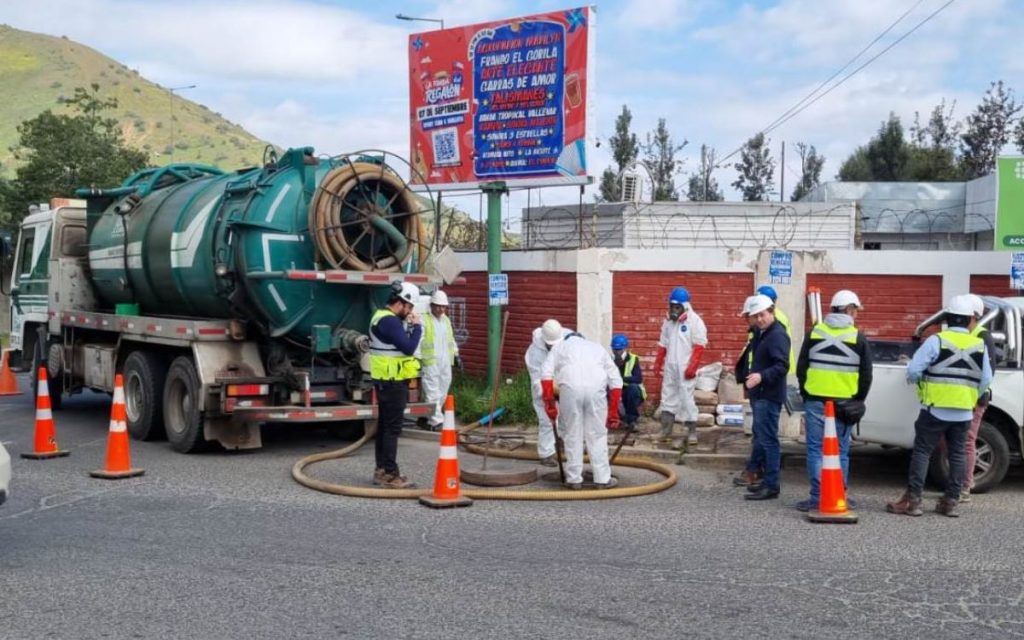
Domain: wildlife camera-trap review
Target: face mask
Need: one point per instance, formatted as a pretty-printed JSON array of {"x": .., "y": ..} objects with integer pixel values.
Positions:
[{"x": 674, "y": 311}]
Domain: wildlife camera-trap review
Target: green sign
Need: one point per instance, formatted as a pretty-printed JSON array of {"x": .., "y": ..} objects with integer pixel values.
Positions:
[{"x": 1009, "y": 235}]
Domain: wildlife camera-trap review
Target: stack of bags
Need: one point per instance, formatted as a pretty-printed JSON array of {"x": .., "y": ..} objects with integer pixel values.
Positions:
[{"x": 723, "y": 404}]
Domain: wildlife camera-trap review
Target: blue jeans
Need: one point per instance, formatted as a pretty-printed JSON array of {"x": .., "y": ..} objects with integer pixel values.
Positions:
[
  {"x": 755, "y": 463},
  {"x": 814, "y": 425},
  {"x": 631, "y": 401},
  {"x": 766, "y": 433},
  {"x": 928, "y": 430}
]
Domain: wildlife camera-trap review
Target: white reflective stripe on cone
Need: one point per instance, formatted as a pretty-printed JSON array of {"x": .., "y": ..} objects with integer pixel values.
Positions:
[
  {"x": 44, "y": 388},
  {"x": 44, "y": 414},
  {"x": 117, "y": 426},
  {"x": 449, "y": 453},
  {"x": 830, "y": 462}
]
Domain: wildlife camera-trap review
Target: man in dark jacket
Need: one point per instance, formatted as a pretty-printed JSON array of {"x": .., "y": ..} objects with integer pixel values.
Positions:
[
  {"x": 766, "y": 385},
  {"x": 753, "y": 470},
  {"x": 834, "y": 364}
]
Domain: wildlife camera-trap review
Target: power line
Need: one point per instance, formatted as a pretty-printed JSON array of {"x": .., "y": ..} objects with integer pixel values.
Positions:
[{"x": 782, "y": 120}]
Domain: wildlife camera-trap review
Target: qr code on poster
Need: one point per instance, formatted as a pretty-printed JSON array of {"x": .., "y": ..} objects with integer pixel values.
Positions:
[{"x": 446, "y": 147}]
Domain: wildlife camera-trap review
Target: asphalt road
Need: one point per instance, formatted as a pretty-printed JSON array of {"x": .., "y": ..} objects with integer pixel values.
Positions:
[{"x": 227, "y": 545}]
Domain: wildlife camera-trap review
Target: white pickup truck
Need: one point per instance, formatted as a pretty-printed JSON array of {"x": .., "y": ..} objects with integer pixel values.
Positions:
[{"x": 892, "y": 405}]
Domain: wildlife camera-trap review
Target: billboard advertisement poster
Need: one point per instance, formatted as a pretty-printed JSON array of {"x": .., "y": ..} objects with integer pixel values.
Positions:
[
  {"x": 1009, "y": 235},
  {"x": 503, "y": 100}
]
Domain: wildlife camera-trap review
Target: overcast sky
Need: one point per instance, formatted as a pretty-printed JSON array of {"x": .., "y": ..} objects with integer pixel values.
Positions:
[{"x": 332, "y": 74}]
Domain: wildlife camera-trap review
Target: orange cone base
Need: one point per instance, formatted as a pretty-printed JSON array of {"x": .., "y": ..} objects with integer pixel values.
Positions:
[
  {"x": 445, "y": 503},
  {"x": 847, "y": 517},
  {"x": 116, "y": 475},
  {"x": 45, "y": 456},
  {"x": 11, "y": 393}
]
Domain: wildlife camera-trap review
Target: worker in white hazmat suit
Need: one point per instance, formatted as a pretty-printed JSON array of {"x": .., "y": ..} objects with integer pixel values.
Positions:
[
  {"x": 438, "y": 352},
  {"x": 536, "y": 354},
  {"x": 589, "y": 393},
  {"x": 683, "y": 340}
]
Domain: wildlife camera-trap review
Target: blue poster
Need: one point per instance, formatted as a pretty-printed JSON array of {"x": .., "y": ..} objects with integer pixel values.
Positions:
[
  {"x": 780, "y": 267},
  {"x": 518, "y": 71},
  {"x": 1017, "y": 270}
]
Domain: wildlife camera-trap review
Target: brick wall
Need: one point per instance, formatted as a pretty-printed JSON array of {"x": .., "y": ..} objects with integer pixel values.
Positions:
[
  {"x": 534, "y": 296},
  {"x": 893, "y": 304},
  {"x": 986, "y": 285},
  {"x": 641, "y": 301}
]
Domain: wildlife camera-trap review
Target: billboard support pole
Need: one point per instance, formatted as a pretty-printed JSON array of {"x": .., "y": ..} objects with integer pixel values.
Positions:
[{"x": 494, "y": 191}]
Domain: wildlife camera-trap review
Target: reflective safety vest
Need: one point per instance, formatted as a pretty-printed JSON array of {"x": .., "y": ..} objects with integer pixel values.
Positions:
[
  {"x": 427, "y": 344},
  {"x": 833, "y": 367},
  {"x": 784, "y": 321},
  {"x": 627, "y": 371},
  {"x": 952, "y": 381},
  {"x": 387, "y": 362}
]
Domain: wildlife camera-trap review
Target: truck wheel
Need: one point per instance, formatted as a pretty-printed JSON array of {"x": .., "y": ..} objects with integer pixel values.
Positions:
[
  {"x": 144, "y": 378},
  {"x": 54, "y": 384},
  {"x": 347, "y": 429},
  {"x": 183, "y": 419},
  {"x": 993, "y": 460}
]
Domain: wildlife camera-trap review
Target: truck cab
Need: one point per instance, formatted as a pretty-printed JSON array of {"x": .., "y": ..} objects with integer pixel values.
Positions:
[{"x": 892, "y": 404}]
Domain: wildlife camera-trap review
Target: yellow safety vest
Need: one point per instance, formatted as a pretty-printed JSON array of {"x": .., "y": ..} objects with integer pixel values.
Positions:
[
  {"x": 833, "y": 367},
  {"x": 781, "y": 316},
  {"x": 387, "y": 362},
  {"x": 627, "y": 371},
  {"x": 427, "y": 344},
  {"x": 953, "y": 380}
]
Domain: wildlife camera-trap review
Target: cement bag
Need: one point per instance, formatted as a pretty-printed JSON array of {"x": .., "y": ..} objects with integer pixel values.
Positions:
[
  {"x": 705, "y": 420},
  {"x": 729, "y": 391},
  {"x": 730, "y": 419},
  {"x": 708, "y": 375},
  {"x": 705, "y": 397}
]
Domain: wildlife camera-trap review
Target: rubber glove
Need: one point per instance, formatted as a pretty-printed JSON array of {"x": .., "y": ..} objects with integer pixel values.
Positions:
[
  {"x": 691, "y": 368},
  {"x": 614, "y": 398},
  {"x": 659, "y": 361},
  {"x": 548, "y": 394}
]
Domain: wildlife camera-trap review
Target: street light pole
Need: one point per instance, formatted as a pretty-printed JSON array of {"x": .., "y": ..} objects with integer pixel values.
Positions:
[
  {"x": 402, "y": 16},
  {"x": 170, "y": 108}
]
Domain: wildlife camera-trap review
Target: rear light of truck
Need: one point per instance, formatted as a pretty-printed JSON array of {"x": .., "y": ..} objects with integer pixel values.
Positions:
[{"x": 248, "y": 390}]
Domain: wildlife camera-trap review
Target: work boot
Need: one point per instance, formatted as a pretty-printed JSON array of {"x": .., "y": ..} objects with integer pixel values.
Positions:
[
  {"x": 378, "y": 476},
  {"x": 611, "y": 484},
  {"x": 965, "y": 495},
  {"x": 764, "y": 493},
  {"x": 549, "y": 461},
  {"x": 668, "y": 420},
  {"x": 396, "y": 481},
  {"x": 907, "y": 505},
  {"x": 746, "y": 478},
  {"x": 574, "y": 486},
  {"x": 691, "y": 438},
  {"x": 947, "y": 507}
]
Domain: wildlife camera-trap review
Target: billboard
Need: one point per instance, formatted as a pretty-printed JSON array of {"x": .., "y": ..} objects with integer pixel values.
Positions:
[
  {"x": 504, "y": 100},
  {"x": 1009, "y": 234}
]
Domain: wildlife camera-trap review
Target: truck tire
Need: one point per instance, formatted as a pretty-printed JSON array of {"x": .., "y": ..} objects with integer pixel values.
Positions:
[
  {"x": 992, "y": 462},
  {"x": 145, "y": 374},
  {"x": 347, "y": 429},
  {"x": 183, "y": 419},
  {"x": 54, "y": 384}
]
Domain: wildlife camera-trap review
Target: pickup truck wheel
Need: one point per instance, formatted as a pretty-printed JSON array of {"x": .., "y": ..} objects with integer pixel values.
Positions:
[
  {"x": 993, "y": 460},
  {"x": 144, "y": 378},
  {"x": 347, "y": 429},
  {"x": 183, "y": 419}
]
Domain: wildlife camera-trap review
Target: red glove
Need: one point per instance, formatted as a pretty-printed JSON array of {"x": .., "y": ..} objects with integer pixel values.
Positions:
[
  {"x": 659, "y": 361},
  {"x": 548, "y": 394},
  {"x": 614, "y": 398},
  {"x": 691, "y": 368}
]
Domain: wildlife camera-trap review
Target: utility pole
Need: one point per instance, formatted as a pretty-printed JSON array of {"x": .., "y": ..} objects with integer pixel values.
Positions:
[
  {"x": 170, "y": 109},
  {"x": 782, "y": 174}
]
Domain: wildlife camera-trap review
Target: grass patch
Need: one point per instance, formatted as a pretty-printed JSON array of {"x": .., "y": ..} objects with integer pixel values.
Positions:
[{"x": 472, "y": 400}]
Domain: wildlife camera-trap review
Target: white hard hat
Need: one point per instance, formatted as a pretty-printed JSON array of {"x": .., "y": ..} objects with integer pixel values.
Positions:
[
  {"x": 408, "y": 292},
  {"x": 844, "y": 298},
  {"x": 757, "y": 304},
  {"x": 961, "y": 306},
  {"x": 440, "y": 298},
  {"x": 551, "y": 331},
  {"x": 978, "y": 303}
]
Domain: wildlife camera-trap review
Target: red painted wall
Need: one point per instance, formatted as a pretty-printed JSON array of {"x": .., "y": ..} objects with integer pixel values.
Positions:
[
  {"x": 534, "y": 296},
  {"x": 986, "y": 285},
  {"x": 893, "y": 304},
  {"x": 641, "y": 302}
]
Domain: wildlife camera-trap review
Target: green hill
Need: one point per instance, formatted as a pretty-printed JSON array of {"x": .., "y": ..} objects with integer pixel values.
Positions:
[{"x": 37, "y": 71}]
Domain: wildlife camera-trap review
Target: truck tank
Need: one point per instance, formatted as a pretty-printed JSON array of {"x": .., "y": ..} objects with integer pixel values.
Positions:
[{"x": 193, "y": 241}]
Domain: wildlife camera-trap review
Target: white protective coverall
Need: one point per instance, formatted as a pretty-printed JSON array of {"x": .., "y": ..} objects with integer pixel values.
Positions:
[
  {"x": 436, "y": 373},
  {"x": 678, "y": 339},
  {"x": 536, "y": 354},
  {"x": 584, "y": 372}
]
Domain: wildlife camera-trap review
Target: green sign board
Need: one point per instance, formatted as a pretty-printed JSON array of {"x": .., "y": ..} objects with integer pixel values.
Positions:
[{"x": 1009, "y": 235}]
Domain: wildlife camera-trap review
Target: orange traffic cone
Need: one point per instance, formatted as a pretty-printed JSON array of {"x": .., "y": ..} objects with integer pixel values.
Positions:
[
  {"x": 119, "y": 464},
  {"x": 446, "y": 479},
  {"x": 8, "y": 383},
  {"x": 832, "y": 505},
  {"x": 46, "y": 432}
]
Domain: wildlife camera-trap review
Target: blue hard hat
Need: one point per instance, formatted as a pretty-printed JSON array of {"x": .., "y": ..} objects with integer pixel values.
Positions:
[
  {"x": 679, "y": 296},
  {"x": 619, "y": 342},
  {"x": 768, "y": 290}
]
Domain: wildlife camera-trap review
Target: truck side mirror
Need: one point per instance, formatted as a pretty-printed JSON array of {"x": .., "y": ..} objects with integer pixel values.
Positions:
[{"x": 6, "y": 249}]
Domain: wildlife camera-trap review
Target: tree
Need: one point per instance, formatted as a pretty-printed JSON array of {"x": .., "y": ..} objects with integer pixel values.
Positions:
[
  {"x": 660, "y": 158},
  {"x": 1019, "y": 135},
  {"x": 810, "y": 170},
  {"x": 64, "y": 152},
  {"x": 702, "y": 186},
  {"x": 988, "y": 130},
  {"x": 625, "y": 150},
  {"x": 756, "y": 168},
  {"x": 884, "y": 159},
  {"x": 932, "y": 150}
]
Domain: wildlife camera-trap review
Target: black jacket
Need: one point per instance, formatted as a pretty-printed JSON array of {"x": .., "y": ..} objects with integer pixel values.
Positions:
[{"x": 771, "y": 360}]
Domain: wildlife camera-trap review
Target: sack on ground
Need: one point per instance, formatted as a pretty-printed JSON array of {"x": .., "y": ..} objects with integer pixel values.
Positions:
[
  {"x": 705, "y": 397},
  {"x": 708, "y": 375}
]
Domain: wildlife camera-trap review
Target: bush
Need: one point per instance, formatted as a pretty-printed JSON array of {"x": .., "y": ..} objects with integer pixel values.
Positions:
[{"x": 472, "y": 401}]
